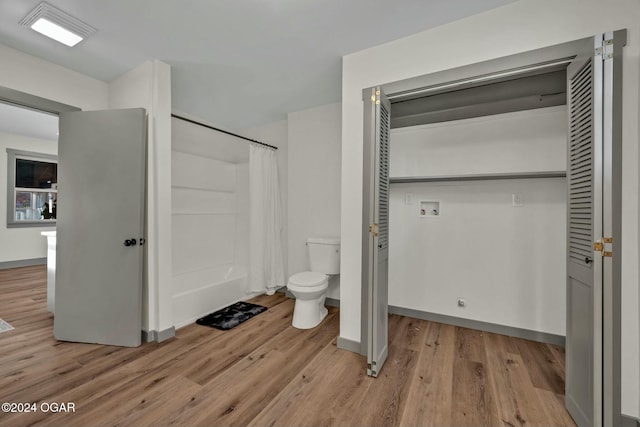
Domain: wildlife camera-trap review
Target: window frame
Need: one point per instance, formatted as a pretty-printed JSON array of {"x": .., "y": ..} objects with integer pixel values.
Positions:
[{"x": 12, "y": 156}]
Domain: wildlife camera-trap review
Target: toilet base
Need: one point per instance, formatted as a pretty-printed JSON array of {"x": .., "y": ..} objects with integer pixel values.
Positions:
[{"x": 308, "y": 314}]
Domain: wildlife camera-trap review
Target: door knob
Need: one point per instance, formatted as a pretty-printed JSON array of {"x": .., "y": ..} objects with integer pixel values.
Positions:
[{"x": 130, "y": 242}]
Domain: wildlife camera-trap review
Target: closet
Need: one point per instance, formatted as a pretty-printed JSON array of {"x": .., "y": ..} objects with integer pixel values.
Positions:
[
  {"x": 442, "y": 216},
  {"x": 477, "y": 204}
]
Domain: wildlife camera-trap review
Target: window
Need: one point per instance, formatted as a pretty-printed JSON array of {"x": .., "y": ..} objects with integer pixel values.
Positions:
[{"x": 32, "y": 189}]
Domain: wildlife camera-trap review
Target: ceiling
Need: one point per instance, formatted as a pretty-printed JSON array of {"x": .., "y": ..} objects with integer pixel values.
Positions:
[{"x": 235, "y": 63}]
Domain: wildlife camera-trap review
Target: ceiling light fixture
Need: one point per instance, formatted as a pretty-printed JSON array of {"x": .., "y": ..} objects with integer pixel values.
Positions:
[{"x": 56, "y": 24}]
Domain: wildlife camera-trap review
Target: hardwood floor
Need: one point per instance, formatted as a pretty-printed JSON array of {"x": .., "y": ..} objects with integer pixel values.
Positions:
[{"x": 266, "y": 373}]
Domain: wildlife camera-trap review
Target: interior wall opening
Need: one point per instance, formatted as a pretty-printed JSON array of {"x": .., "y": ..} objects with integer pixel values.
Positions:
[{"x": 477, "y": 212}]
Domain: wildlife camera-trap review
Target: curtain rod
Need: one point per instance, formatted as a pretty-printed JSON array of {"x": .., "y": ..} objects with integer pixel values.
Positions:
[{"x": 223, "y": 131}]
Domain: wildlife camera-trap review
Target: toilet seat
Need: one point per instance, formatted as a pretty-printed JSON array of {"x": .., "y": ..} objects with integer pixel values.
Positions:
[
  {"x": 308, "y": 279},
  {"x": 308, "y": 282}
]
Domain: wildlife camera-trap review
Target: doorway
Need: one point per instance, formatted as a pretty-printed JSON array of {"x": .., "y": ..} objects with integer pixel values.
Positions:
[
  {"x": 592, "y": 188},
  {"x": 99, "y": 221},
  {"x": 28, "y": 153},
  {"x": 28, "y": 160}
]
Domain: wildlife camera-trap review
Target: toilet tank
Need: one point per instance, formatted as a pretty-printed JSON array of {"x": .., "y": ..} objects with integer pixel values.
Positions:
[{"x": 324, "y": 254}]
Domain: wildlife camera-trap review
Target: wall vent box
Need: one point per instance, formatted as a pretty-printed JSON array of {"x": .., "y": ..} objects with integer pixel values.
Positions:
[{"x": 429, "y": 209}]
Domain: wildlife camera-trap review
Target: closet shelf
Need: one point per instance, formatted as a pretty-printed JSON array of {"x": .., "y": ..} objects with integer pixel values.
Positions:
[{"x": 479, "y": 177}]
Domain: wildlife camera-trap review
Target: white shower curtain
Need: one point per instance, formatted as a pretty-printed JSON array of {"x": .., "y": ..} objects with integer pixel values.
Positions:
[{"x": 266, "y": 263}]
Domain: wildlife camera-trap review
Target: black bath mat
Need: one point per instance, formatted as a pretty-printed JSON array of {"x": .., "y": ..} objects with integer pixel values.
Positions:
[{"x": 232, "y": 316}]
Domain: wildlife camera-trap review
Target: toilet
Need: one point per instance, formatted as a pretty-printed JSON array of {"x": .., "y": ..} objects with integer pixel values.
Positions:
[{"x": 310, "y": 287}]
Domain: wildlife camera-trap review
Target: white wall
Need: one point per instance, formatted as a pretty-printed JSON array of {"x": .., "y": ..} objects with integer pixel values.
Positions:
[
  {"x": 524, "y": 141},
  {"x": 210, "y": 207},
  {"x": 480, "y": 247},
  {"x": 149, "y": 86},
  {"x": 508, "y": 263},
  {"x": 36, "y": 76},
  {"x": 313, "y": 182},
  {"x": 522, "y": 26},
  {"x": 20, "y": 243}
]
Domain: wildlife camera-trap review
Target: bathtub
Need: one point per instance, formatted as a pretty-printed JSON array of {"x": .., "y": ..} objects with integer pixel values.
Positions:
[{"x": 205, "y": 291}]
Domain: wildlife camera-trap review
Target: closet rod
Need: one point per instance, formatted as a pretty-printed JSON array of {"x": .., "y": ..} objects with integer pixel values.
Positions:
[
  {"x": 175, "y": 116},
  {"x": 479, "y": 177}
]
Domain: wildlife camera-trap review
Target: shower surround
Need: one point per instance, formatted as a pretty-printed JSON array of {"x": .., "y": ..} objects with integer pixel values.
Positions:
[{"x": 210, "y": 206}]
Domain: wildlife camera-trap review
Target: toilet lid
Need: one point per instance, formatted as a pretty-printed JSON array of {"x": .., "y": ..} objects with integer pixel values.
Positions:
[{"x": 307, "y": 278}]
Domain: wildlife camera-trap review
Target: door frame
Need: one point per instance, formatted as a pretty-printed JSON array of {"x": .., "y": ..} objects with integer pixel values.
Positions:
[
  {"x": 36, "y": 103},
  {"x": 26, "y": 100},
  {"x": 612, "y": 226},
  {"x": 611, "y": 316}
]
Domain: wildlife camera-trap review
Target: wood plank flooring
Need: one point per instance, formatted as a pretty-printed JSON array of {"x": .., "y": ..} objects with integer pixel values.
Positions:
[{"x": 266, "y": 373}]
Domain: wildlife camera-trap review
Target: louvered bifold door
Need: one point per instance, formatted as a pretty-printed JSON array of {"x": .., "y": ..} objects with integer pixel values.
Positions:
[
  {"x": 584, "y": 221},
  {"x": 581, "y": 154},
  {"x": 382, "y": 167},
  {"x": 376, "y": 246}
]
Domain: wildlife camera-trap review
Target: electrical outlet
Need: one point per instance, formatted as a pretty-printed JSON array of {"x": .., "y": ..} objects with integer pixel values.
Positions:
[
  {"x": 517, "y": 200},
  {"x": 462, "y": 303}
]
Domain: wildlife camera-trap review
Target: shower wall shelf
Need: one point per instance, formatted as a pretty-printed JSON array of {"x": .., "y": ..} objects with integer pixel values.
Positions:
[{"x": 479, "y": 177}]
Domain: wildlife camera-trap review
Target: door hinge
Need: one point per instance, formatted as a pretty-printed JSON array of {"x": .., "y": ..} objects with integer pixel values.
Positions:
[
  {"x": 606, "y": 50},
  {"x": 375, "y": 99},
  {"x": 598, "y": 246},
  {"x": 373, "y": 229},
  {"x": 607, "y": 241}
]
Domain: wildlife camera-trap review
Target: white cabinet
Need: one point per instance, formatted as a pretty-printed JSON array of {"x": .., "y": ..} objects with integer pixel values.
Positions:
[{"x": 51, "y": 268}]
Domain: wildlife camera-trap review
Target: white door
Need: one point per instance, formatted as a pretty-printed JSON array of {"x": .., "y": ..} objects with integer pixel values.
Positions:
[
  {"x": 593, "y": 149},
  {"x": 100, "y": 226},
  {"x": 376, "y": 218}
]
